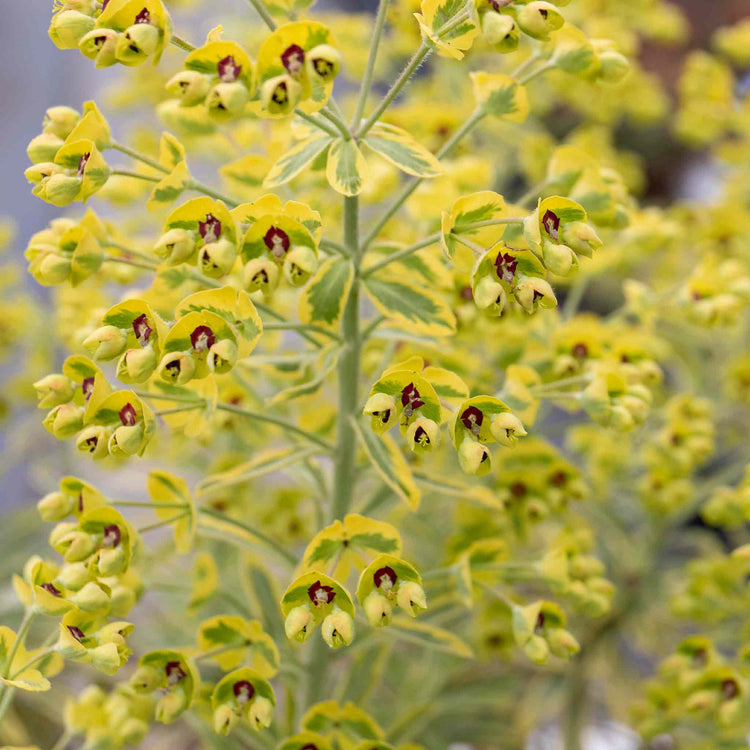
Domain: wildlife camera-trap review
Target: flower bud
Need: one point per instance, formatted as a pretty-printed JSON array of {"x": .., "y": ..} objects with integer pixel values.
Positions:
[
  {"x": 636, "y": 406},
  {"x": 52, "y": 269},
  {"x": 176, "y": 245},
  {"x": 74, "y": 576},
  {"x": 323, "y": 63},
  {"x": 170, "y": 706},
  {"x": 106, "y": 342},
  {"x": 105, "y": 658},
  {"x": 126, "y": 440},
  {"x": 299, "y": 264},
  {"x": 260, "y": 274},
  {"x": 122, "y": 600},
  {"x": 595, "y": 400},
  {"x": 411, "y": 598},
  {"x": 559, "y": 259},
  {"x": 280, "y": 95},
  {"x": 136, "y": 365},
  {"x": 137, "y": 43},
  {"x": 65, "y": 421},
  {"x": 489, "y": 296},
  {"x": 538, "y": 19},
  {"x": 226, "y": 100},
  {"x": 100, "y": 45},
  {"x": 93, "y": 440},
  {"x": 377, "y": 609},
  {"x": 76, "y": 546},
  {"x": 506, "y": 428},
  {"x": 177, "y": 368},
  {"x": 189, "y": 86},
  {"x": 217, "y": 258},
  {"x": 55, "y": 506},
  {"x": 474, "y": 457},
  {"x": 112, "y": 561},
  {"x": 146, "y": 679},
  {"x": 581, "y": 237},
  {"x": 562, "y": 644},
  {"x": 226, "y": 719},
  {"x": 44, "y": 147},
  {"x": 338, "y": 628},
  {"x": 37, "y": 173},
  {"x": 613, "y": 66},
  {"x": 299, "y": 624},
  {"x": 423, "y": 435},
  {"x": 537, "y": 649},
  {"x": 222, "y": 356},
  {"x": 91, "y": 598},
  {"x": 620, "y": 418},
  {"x": 261, "y": 713},
  {"x": 54, "y": 390},
  {"x": 501, "y": 31},
  {"x": 382, "y": 409},
  {"x": 68, "y": 27},
  {"x": 133, "y": 731},
  {"x": 532, "y": 293},
  {"x": 61, "y": 190}
]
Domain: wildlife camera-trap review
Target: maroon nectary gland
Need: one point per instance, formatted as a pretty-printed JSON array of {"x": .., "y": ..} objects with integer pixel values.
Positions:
[
  {"x": 421, "y": 434},
  {"x": 143, "y": 17},
  {"x": 209, "y": 228},
  {"x": 92, "y": 442},
  {"x": 537, "y": 296},
  {"x": 580, "y": 351},
  {"x": 466, "y": 294},
  {"x": 87, "y": 386},
  {"x": 105, "y": 3},
  {"x": 472, "y": 416},
  {"x": 551, "y": 224},
  {"x": 112, "y": 535},
  {"x": 544, "y": 13},
  {"x": 142, "y": 329},
  {"x": 243, "y": 691},
  {"x": 202, "y": 338},
  {"x": 280, "y": 95},
  {"x": 558, "y": 479},
  {"x": 411, "y": 397},
  {"x": 287, "y": 56},
  {"x": 382, "y": 573},
  {"x": 505, "y": 265},
  {"x": 275, "y": 237},
  {"x": 309, "y": 746},
  {"x": 729, "y": 689},
  {"x": 228, "y": 69},
  {"x": 82, "y": 162},
  {"x": 518, "y": 489},
  {"x": 128, "y": 415},
  {"x": 175, "y": 672},
  {"x": 80, "y": 502},
  {"x": 77, "y": 633},
  {"x": 539, "y": 625},
  {"x": 51, "y": 588},
  {"x": 316, "y": 597}
]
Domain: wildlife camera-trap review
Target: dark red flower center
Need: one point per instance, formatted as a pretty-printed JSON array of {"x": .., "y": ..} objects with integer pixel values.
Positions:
[
  {"x": 228, "y": 69},
  {"x": 410, "y": 399},
  {"x": 175, "y": 673},
  {"x": 82, "y": 162},
  {"x": 142, "y": 329},
  {"x": 128, "y": 415},
  {"x": 323, "y": 67},
  {"x": 518, "y": 489},
  {"x": 243, "y": 691},
  {"x": 87, "y": 386},
  {"x": 80, "y": 502},
  {"x": 111, "y": 536},
  {"x": 309, "y": 746},
  {"x": 385, "y": 578},
  {"x": 92, "y": 442},
  {"x": 551, "y": 224},
  {"x": 143, "y": 17},
  {"x": 466, "y": 294},
  {"x": 505, "y": 265},
  {"x": 421, "y": 437},
  {"x": 539, "y": 624},
  {"x": 472, "y": 419},
  {"x": 280, "y": 95},
  {"x": 580, "y": 350},
  {"x": 277, "y": 241},
  {"x": 293, "y": 59},
  {"x": 202, "y": 338},
  {"x": 209, "y": 228},
  {"x": 52, "y": 589},
  {"x": 559, "y": 478},
  {"x": 729, "y": 689},
  {"x": 77, "y": 633},
  {"x": 320, "y": 594}
]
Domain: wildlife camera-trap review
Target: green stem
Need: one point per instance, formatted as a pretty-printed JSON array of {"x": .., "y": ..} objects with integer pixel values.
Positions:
[
  {"x": 288, "y": 556},
  {"x": 63, "y": 740},
  {"x": 364, "y": 90},
  {"x": 23, "y": 629},
  {"x": 134, "y": 175},
  {"x": 411, "y": 67},
  {"x": 287, "y": 426},
  {"x": 534, "y": 73},
  {"x": 348, "y": 372},
  {"x": 211, "y": 193},
  {"x": 478, "y": 249},
  {"x": 340, "y": 125},
  {"x": 562, "y": 383},
  {"x": 179, "y": 409},
  {"x": 164, "y": 522},
  {"x": 279, "y": 326},
  {"x": 170, "y": 397},
  {"x": 219, "y": 650},
  {"x": 575, "y": 296},
  {"x": 138, "y": 156},
  {"x": 31, "y": 662},
  {"x": 315, "y": 122},
  {"x": 6, "y": 700},
  {"x": 277, "y": 316},
  {"x": 369, "y": 329},
  {"x": 333, "y": 247},
  {"x": 181, "y": 43},
  {"x": 405, "y": 253},
  {"x": 262, "y": 11},
  {"x": 136, "y": 504},
  {"x": 488, "y": 223},
  {"x": 131, "y": 262},
  {"x": 413, "y": 184},
  {"x": 112, "y": 245}
]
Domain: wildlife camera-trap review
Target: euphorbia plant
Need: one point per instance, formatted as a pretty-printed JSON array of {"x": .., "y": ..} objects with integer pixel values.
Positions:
[{"x": 346, "y": 370}]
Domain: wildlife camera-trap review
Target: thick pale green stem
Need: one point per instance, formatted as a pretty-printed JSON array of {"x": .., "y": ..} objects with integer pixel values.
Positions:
[
  {"x": 370, "y": 69},
  {"x": 348, "y": 372}
]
